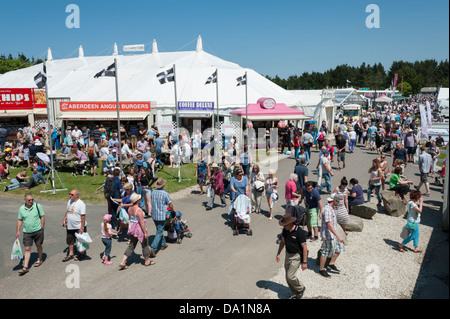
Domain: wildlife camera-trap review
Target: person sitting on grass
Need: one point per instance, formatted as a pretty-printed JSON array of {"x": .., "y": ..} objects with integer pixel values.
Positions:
[{"x": 36, "y": 178}]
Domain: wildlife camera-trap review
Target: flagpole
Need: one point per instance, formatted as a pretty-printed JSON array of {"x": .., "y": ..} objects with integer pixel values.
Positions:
[
  {"x": 176, "y": 102},
  {"x": 50, "y": 137},
  {"x": 217, "y": 95},
  {"x": 178, "y": 123},
  {"x": 246, "y": 106},
  {"x": 118, "y": 113}
]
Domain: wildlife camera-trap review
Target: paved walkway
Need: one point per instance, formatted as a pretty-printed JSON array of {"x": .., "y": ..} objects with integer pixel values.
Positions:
[{"x": 211, "y": 264}]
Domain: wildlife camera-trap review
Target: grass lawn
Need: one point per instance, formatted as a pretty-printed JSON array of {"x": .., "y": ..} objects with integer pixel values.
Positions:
[{"x": 87, "y": 185}]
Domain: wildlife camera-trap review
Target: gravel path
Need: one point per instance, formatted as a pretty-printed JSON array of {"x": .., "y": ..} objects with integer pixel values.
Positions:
[{"x": 372, "y": 267}]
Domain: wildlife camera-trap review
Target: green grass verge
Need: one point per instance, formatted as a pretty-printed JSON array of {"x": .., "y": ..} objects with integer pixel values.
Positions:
[{"x": 87, "y": 185}]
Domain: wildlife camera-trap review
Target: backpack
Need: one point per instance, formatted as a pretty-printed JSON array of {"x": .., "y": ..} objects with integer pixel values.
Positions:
[
  {"x": 91, "y": 151},
  {"x": 108, "y": 189}
]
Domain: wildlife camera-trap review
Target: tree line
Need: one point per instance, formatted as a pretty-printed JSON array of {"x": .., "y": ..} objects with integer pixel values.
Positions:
[
  {"x": 9, "y": 63},
  {"x": 416, "y": 75}
]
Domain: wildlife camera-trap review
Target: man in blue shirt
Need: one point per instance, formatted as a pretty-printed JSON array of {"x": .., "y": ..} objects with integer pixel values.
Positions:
[
  {"x": 35, "y": 179},
  {"x": 114, "y": 140},
  {"x": 160, "y": 201},
  {"x": 117, "y": 194},
  {"x": 313, "y": 204},
  {"x": 372, "y": 133},
  {"x": 112, "y": 159}
]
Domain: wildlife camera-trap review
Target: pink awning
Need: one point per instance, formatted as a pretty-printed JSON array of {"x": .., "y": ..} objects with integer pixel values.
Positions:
[{"x": 268, "y": 109}]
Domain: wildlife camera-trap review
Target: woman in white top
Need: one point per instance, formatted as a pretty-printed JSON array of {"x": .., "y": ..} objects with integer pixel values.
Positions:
[
  {"x": 103, "y": 154},
  {"x": 256, "y": 178},
  {"x": 271, "y": 187},
  {"x": 352, "y": 137},
  {"x": 375, "y": 180}
]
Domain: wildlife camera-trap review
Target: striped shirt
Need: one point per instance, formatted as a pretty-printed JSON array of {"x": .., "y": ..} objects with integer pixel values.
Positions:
[
  {"x": 160, "y": 200},
  {"x": 328, "y": 215}
]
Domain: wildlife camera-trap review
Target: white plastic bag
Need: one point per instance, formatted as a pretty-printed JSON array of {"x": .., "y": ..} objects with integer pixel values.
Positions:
[
  {"x": 82, "y": 247},
  {"x": 83, "y": 238},
  {"x": 123, "y": 216},
  {"x": 16, "y": 252}
]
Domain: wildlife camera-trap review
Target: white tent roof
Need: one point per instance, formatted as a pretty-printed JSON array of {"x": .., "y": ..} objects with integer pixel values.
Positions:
[
  {"x": 308, "y": 97},
  {"x": 74, "y": 78},
  {"x": 443, "y": 96},
  {"x": 383, "y": 99}
]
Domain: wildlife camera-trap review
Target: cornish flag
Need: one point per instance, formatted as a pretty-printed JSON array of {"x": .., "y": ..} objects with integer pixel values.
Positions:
[
  {"x": 212, "y": 78},
  {"x": 242, "y": 80},
  {"x": 41, "y": 78},
  {"x": 109, "y": 71},
  {"x": 166, "y": 76}
]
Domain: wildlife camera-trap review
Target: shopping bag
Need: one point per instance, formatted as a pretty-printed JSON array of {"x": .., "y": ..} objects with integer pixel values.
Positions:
[
  {"x": 83, "y": 238},
  {"x": 123, "y": 216},
  {"x": 405, "y": 233},
  {"x": 82, "y": 247},
  {"x": 16, "y": 252}
]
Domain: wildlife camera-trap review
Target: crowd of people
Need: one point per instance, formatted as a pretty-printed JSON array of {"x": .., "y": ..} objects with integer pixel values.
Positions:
[{"x": 384, "y": 131}]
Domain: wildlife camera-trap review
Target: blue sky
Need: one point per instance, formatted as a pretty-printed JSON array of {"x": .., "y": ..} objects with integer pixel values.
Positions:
[{"x": 284, "y": 37}]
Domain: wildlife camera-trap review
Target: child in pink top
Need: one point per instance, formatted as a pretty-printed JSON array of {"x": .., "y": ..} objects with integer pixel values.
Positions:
[{"x": 107, "y": 234}]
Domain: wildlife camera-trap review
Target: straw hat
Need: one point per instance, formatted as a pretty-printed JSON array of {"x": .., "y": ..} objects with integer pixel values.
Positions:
[
  {"x": 134, "y": 198},
  {"x": 160, "y": 182},
  {"x": 214, "y": 165}
]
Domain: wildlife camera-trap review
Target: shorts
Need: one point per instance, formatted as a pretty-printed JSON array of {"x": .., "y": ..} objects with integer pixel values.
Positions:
[
  {"x": 37, "y": 237},
  {"x": 26, "y": 154},
  {"x": 246, "y": 168},
  {"x": 70, "y": 237},
  {"x": 424, "y": 177},
  {"x": 331, "y": 247},
  {"x": 341, "y": 157},
  {"x": 93, "y": 161},
  {"x": 313, "y": 214}
]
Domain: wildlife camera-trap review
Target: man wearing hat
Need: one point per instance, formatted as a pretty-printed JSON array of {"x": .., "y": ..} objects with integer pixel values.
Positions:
[
  {"x": 160, "y": 201},
  {"x": 294, "y": 239},
  {"x": 112, "y": 159},
  {"x": 332, "y": 244}
]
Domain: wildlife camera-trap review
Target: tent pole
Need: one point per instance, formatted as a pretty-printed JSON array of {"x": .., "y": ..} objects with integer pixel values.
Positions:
[
  {"x": 49, "y": 132},
  {"x": 118, "y": 114},
  {"x": 246, "y": 106},
  {"x": 217, "y": 96}
]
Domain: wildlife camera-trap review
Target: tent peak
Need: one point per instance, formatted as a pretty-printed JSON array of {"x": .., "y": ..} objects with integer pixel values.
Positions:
[
  {"x": 154, "y": 46},
  {"x": 80, "y": 52},
  {"x": 116, "y": 51},
  {"x": 49, "y": 55},
  {"x": 199, "y": 44}
]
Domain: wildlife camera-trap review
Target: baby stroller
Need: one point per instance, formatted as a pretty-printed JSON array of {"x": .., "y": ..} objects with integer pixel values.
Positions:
[
  {"x": 241, "y": 207},
  {"x": 299, "y": 213},
  {"x": 176, "y": 228}
]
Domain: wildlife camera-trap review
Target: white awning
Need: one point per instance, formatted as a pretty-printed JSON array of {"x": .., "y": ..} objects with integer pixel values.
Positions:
[
  {"x": 102, "y": 116},
  {"x": 15, "y": 113}
]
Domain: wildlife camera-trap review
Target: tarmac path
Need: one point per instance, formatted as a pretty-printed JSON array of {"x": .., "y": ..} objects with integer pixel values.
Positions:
[{"x": 213, "y": 264}]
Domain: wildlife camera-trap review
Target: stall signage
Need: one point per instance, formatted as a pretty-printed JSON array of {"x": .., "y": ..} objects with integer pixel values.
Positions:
[
  {"x": 267, "y": 103},
  {"x": 195, "y": 106},
  {"x": 16, "y": 98},
  {"x": 103, "y": 106}
]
